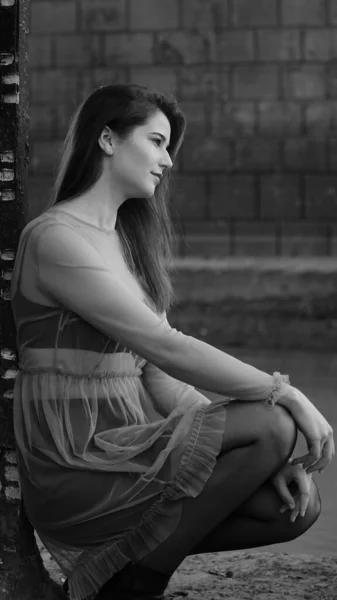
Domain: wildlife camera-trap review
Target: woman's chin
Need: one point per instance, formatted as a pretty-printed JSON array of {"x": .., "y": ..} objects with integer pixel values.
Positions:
[
  {"x": 143, "y": 192},
  {"x": 148, "y": 192}
]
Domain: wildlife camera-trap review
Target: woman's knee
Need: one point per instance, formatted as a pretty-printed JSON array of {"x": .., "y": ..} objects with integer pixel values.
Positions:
[
  {"x": 271, "y": 426},
  {"x": 280, "y": 431}
]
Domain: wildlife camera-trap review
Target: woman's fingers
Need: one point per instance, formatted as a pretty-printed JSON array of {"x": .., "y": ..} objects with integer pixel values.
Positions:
[
  {"x": 328, "y": 452},
  {"x": 302, "y": 496},
  {"x": 316, "y": 431},
  {"x": 284, "y": 493},
  {"x": 319, "y": 456},
  {"x": 295, "y": 512},
  {"x": 303, "y": 480},
  {"x": 312, "y": 457}
]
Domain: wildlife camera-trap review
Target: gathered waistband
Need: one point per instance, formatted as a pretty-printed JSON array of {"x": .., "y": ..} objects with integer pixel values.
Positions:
[{"x": 79, "y": 363}]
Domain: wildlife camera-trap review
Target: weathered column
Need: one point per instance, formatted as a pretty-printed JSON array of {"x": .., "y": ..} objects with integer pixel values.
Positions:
[
  {"x": 13, "y": 162},
  {"x": 21, "y": 568}
]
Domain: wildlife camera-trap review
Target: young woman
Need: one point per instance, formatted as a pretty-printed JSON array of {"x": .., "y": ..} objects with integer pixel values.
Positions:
[{"x": 125, "y": 468}]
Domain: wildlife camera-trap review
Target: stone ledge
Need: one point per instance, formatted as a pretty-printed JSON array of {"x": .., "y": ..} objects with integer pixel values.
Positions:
[
  {"x": 251, "y": 279},
  {"x": 308, "y": 264},
  {"x": 275, "y": 302}
]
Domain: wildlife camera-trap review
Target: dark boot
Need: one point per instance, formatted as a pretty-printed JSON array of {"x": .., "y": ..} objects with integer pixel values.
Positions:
[{"x": 134, "y": 582}]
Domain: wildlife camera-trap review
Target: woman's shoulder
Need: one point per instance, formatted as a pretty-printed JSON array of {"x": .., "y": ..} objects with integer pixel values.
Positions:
[
  {"x": 45, "y": 229},
  {"x": 45, "y": 220}
]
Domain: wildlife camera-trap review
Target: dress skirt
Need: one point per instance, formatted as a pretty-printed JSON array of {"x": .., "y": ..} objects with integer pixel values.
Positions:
[{"x": 102, "y": 479}]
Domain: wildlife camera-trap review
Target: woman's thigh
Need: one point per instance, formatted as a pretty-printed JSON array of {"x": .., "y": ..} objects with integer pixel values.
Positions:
[{"x": 249, "y": 422}]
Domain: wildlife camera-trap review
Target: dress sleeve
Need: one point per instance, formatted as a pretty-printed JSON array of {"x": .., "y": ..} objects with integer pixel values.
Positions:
[
  {"x": 71, "y": 271},
  {"x": 167, "y": 393}
]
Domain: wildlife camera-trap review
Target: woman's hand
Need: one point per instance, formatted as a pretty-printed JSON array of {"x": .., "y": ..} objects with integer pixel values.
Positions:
[
  {"x": 316, "y": 430},
  {"x": 299, "y": 503}
]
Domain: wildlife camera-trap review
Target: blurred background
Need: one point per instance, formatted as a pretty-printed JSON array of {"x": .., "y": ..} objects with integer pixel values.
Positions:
[
  {"x": 257, "y": 80},
  {"x": 254, "y": 198}
]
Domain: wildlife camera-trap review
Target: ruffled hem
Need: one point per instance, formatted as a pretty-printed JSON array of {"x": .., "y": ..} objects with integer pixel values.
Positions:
[{"x": 95, "y": 566}]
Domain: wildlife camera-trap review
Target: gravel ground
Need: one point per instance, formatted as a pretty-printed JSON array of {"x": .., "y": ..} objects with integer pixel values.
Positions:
[{"x": 244, "y": 575}]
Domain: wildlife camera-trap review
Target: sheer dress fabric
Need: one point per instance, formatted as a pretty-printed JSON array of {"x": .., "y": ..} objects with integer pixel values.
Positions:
[{"x": 108, "y": 444}]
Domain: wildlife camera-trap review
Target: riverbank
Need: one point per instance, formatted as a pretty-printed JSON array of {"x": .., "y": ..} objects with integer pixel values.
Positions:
[{"x": 247, "y": 575}]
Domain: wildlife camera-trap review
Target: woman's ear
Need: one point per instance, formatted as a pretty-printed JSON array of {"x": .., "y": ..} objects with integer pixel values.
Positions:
[{"x": 107, "y": 141}]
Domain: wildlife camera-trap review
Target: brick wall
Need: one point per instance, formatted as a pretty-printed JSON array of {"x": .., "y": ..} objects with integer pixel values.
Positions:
[{"x": 257, "y": 80}]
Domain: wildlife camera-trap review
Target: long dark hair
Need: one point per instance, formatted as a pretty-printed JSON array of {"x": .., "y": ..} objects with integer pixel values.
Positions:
[{"x": 145, "y": 227}]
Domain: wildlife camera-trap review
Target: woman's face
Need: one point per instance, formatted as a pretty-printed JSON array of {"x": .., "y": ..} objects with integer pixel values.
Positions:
[{"x": 139, "y": 160}]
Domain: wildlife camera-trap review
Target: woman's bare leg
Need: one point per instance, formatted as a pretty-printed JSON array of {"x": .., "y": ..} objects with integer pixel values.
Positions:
[
  {"x": 258, "y": 441},
  {"x": 258, "y": 522}
]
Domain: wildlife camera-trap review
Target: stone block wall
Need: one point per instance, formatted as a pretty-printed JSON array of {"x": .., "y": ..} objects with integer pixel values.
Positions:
[{"x": 257, "y": 80}]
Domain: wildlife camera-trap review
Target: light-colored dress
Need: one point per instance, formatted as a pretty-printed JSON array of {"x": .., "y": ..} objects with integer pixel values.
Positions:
[{"x": 107, "y": 442}]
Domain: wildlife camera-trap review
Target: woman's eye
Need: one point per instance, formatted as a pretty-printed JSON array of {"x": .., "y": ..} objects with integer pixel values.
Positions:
[{"x": 158, "y": 142}]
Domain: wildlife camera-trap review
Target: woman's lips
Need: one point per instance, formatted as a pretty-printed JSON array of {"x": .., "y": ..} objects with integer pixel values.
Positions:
[{"x": 156, "y": 175}]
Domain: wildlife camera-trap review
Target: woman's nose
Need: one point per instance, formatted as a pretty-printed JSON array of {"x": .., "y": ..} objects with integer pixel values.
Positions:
[{"x": 167, "y": 162}]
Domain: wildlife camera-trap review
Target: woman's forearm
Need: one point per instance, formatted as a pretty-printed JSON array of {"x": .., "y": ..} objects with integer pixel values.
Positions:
[
  {"x": 292, "y": 398},
  {"x": 204, "y": 366}
]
